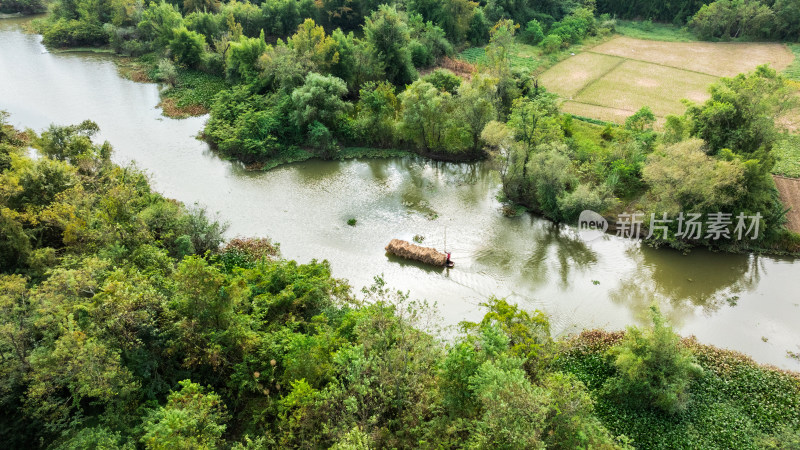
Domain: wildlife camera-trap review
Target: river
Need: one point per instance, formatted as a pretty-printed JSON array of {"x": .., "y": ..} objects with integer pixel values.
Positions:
[{"x": 741, "y": 302}]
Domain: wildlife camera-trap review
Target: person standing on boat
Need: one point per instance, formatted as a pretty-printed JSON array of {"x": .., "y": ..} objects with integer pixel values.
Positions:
[{"x": 448, "y": 259}]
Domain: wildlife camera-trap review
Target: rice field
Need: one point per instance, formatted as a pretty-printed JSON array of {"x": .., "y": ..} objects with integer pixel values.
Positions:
[
  {"x": 721, "y": 59},
  {"x": 634, "y": 84},
  {"x": 613, "y": 80},
  {"x": 577, "y": 72}
]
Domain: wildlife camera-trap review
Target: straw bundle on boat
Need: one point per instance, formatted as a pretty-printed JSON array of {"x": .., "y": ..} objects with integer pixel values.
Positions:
[{"x": 408, "y": 250}]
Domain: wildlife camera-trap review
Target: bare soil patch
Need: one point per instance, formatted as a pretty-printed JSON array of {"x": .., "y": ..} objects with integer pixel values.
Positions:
[{"x": 789, "y": 189}]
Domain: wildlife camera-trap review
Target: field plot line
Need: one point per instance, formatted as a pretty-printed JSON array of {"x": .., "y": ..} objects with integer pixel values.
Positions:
[
  {"x": 600, "y": 106},
  {"x": 598, "y": 78},
  {"x": 655, "y": 64}
]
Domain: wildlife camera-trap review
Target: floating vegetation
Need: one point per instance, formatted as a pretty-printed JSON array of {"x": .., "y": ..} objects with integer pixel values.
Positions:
[{"x": 408, "y": 250}]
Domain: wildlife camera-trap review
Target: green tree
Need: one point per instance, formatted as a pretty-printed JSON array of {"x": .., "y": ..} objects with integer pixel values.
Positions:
[
  {"x": 387, "y": 32},
  {"x": 72, "y": 143},
  {"x": 683, "y": 178},
  {"x": 476, "y": 105},
  {"x": 319, "y": 99},
  {"x": 478, "y": 33},
  {"x": 533, "y": 33},
  {"x": 158, "y": 22},
  {"x": 653, "y": 367},
  {"x": 552, "y": 43},
  {"x": 313, "y": 48},
  {"x": 377, "y": 111},
  {"x": 454, "y": 17},
  {"x": 243, "y": 56},
  {"x": 193, "y": 418},
  {"x": 190, "y": 6},
  {"x": 740, "y": 113},
  {"x": 424, "y": 112},
  {"x": 641, "y": 121},
  {"x": 76, "y": 371},
  {"x": 187, "y": 47}
]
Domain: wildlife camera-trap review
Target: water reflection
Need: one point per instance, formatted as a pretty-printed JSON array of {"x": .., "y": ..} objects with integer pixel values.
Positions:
[
  {"x": 683, "y": 284},
  {"x": 537, "y": 251}
]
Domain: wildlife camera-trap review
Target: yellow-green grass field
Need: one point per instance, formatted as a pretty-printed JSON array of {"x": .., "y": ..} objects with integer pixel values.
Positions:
[
  {"x": 634, "y": 84},
  {"x": 722, "y": 59},
  {"x": 577, "y": 72},
  {"x": 613, "y": 80}
]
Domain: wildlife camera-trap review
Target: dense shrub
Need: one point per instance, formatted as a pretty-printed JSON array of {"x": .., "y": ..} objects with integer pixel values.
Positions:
[
  {"x": 552, "y": 43},
  {"x": 677, "y": 12},
  {"x": 74, "y": 33},
  {"x": 532, "y": 34},
  {"x": 653, "y": 368},
  {"x": 23, "y": 6},
  {"x": 444, "y": 80},
  {"x": 187, "y": 47}
]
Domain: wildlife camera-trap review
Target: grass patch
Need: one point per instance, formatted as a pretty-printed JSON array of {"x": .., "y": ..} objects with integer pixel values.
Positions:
[
  {"x": 531, "y": 57},
  {"x": 473, "y": 55},
  {"x": 194, "y": 92},
  {"x": 134, "y": 69},
  {"x": 735, "y": 403},
  {"x": 793, "y": 70},
  {"x": 368, "y": 152},
  {"x": 83, "y": 50},
  {"x": 654, "y": 31},
  {"x": 589, "y": 120},
  {"x": 170, "y": 108},
  {"x": 787, "y": 156}
]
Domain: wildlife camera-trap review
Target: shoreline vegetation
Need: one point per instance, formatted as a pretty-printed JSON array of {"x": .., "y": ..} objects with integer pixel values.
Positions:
[
  {"x": 128, "y": 322},
  {"x": 288, "y": 82},
  {"x": 555, "y": 166}
]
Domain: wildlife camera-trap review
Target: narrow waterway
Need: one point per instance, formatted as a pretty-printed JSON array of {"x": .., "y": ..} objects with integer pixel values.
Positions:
[{"x": 731, "y": 301}]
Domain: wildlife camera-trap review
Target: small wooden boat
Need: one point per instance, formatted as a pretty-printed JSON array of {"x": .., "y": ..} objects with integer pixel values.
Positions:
[{"x": 427, "y": 255}]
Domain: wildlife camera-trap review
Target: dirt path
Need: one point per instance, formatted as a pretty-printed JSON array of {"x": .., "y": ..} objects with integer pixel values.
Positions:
[{"x": 789, "y": 189}]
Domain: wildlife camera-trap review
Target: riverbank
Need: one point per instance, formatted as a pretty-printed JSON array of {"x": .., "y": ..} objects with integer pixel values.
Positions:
[
  {"x": 300, "y": 155},
  {"x": 734, "y": 402}
]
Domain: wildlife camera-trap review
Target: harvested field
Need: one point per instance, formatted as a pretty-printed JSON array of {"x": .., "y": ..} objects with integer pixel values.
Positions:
[
  {"x": 722, "y": 59},
  {"x": 634, "y": 84},
  {"x": 570, "y": 76},
  {"x": 789, "y": 189},
  {"x": 613, "y": 80}
]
